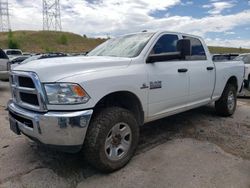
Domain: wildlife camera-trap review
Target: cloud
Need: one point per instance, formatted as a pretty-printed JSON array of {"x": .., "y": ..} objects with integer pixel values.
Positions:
[
  {"x": 217, "y": 7},
  {"x": 25, "y": 14},
  {"x": 188, "y": 3},
  {"x": 229, "y": 33},
  {"x": 116, "y": 17}
]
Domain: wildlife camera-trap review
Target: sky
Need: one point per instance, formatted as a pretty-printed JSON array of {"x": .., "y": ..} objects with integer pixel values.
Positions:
[{"x": 219, "y": 22}]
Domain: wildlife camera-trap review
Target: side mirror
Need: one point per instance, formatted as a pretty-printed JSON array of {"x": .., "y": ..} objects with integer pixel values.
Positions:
[
  {"x": 163, "y": 57},
  {"x": 184, "y": 47}
]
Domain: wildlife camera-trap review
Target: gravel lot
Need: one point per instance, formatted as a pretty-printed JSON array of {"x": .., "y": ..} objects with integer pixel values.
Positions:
[{"x": 192, "y": 149}]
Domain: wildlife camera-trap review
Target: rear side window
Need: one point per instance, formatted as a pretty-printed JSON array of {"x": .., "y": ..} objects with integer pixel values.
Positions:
[
  {"x": 165, "y": 44},
  {"x": 3, "y": 55},
  {"x": 197, "y": 52}
]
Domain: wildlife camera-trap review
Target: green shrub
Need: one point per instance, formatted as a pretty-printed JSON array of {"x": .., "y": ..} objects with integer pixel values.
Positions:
[
  {"x": 47, "y": 49},
  {"x": 10, "y": 34},
  {"x": 12, "y": 42},
  {"x": 63, "y": 40}
]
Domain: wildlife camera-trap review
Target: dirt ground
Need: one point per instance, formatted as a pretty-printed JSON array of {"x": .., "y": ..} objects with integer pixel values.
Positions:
[{"x": 192, "y": 149}]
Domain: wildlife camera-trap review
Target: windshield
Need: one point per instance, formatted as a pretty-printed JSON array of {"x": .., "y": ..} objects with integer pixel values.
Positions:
[{"x": 125, "y": 46}]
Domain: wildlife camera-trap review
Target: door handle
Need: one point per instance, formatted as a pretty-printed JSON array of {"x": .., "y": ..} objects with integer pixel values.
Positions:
[
  {"x": 210, "y": 68},
  {"x": 182, "y": 70}
]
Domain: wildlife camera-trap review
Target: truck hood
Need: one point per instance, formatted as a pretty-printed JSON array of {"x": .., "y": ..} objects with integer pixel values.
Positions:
[{"x": 55, "y": 69}]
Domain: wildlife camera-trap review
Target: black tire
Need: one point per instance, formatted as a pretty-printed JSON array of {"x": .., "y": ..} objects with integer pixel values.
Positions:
[
  {"x": 100, "y": 126},
  {"x": 222, "y": 106}
]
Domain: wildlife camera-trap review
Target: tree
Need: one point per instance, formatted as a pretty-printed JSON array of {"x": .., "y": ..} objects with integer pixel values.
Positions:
[{"x": 12, "y": 42}]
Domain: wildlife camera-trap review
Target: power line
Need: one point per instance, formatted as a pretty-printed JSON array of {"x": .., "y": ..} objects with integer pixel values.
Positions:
[
  {"x": 4, "y": 16},
  {"x": 51, "y": 15}
]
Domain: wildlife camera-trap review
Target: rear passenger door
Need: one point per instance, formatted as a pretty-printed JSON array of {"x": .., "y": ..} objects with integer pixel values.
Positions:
[{"x": 201, "y": 74}]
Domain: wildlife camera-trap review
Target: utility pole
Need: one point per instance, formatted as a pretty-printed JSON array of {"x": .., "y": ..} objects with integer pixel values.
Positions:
[
  {"x": 51, "y": 15},
  {"x": 4, "y": 16}
]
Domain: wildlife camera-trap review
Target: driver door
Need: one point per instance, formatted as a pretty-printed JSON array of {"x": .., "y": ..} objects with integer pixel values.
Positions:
[{"x": 169, "y": 80}]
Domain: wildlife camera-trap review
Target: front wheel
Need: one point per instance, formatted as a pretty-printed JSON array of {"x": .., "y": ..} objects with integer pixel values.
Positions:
[
  {"x": 226, "y": 105},
  {"x": 112, "y": 139}
]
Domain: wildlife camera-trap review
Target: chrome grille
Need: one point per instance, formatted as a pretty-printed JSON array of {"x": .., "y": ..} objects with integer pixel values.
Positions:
[{"x": 27, "y": 91}]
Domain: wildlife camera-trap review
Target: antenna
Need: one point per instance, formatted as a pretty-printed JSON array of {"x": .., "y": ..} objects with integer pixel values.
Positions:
[
  {"x": 51, "y": 15},
  {"x": 4, "y": 16}
]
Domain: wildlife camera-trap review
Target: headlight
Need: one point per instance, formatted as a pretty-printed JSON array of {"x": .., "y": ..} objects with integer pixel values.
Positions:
[{"x": 65, "y": 93}]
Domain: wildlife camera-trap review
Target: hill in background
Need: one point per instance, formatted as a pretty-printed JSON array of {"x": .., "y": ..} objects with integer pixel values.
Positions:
[
  {"x": 49, "y": 41},
  {"x": 52, "y": 41},
  {"x": 221, "y": 50}
]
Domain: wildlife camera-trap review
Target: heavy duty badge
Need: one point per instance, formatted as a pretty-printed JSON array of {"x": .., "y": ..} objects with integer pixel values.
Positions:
[{"x": 155, "y": 85}]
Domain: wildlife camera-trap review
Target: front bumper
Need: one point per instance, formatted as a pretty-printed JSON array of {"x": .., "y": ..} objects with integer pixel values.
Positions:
[
  {"x": 4, "y": 75},
  {"x": 56, "y": 129}
]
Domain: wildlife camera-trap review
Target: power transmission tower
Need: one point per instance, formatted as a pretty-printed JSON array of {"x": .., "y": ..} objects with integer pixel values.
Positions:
[
  {"x": 51, "y": 15},
  {"x": 4, "y": 16}
]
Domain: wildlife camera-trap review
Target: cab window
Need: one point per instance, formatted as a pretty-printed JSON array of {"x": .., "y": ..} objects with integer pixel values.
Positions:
[
  {"x": 197, "y": 49},
  {"x": 166, "y": 43}
]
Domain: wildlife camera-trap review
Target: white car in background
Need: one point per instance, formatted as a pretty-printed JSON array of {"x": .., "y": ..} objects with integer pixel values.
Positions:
[
  {"x": 13, "y": 52},
  {"x": 246, "y": 59},
  {"x": 15, "y": 61}
]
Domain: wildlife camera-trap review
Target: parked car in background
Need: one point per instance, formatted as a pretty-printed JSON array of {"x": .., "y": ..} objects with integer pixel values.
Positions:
[
  {"x": 246, "y": 59},
  {"x": 43, "y": 56},
  {"x": 15, "y": 61},
  {"x": 27, "y": 54},
  {"x": 13, "y": 52},
  {"x": 4, "y": 72},
  {"x": 224, "y": 57},
  {"x": 25, "y": 59},
  {"x": 78, "y": 54}
]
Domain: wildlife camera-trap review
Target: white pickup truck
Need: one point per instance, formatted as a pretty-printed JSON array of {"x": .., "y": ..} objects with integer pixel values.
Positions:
[{"x": 96, "y": 103}]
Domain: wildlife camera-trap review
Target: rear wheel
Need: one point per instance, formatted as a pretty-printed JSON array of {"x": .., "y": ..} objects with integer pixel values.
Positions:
[
  {"x": 226, "y": 105},
  {"x": 112, "y": 139}
]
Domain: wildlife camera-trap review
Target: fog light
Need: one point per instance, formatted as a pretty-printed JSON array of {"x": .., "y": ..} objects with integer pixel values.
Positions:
[{"x": 83, "y": 122}]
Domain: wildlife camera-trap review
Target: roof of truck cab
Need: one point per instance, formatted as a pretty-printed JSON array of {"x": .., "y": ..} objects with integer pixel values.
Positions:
[{"x": 163, "y": 31}]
